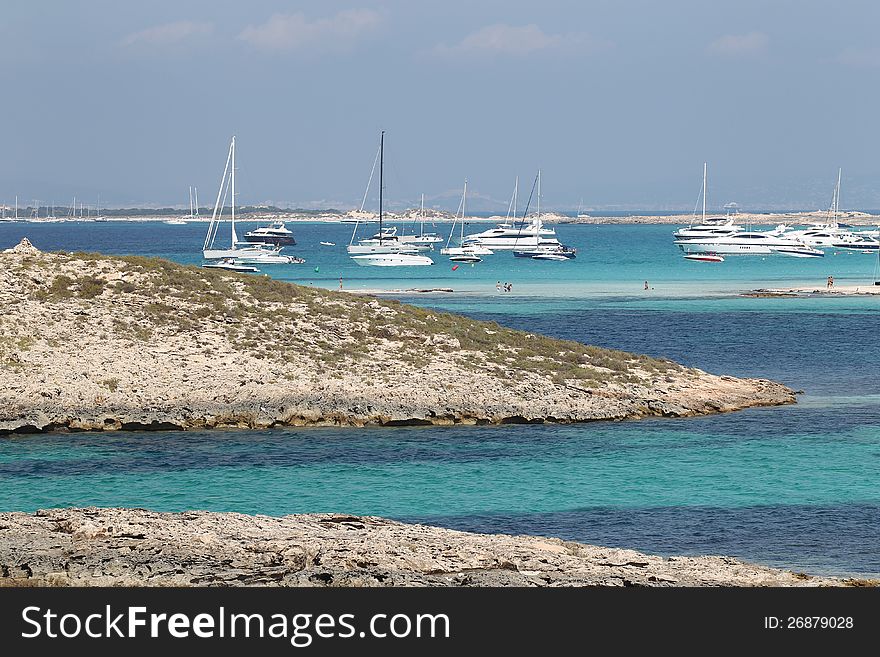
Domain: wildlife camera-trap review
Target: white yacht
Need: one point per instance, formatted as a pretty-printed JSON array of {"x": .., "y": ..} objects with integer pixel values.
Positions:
[
  {"x": 274, "y": 233},
  {"x": 392, "y": 260},
  {"x": 384, "y": 249},
  {"x": 744, "y": 242},
  {"x": 708, "y": 226},
  {"x": 821, "y": 235},
  {"x": 508, "y": 236},
  {"x": 857, "y": 242},
  {"x": 393, "y": 242},
  {"x": 465, "y": 251},
  {"x": 425, "y": 241},
  {"x": 543, "y": 248},
  {"x": 237, "y": 250}
]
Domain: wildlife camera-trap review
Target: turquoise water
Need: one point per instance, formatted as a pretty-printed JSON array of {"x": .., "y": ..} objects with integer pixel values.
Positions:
[{"x": 792, "y": 486}]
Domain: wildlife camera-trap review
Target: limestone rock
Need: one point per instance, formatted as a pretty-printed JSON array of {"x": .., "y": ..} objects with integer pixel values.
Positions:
[{"x": 134, "y": 547}]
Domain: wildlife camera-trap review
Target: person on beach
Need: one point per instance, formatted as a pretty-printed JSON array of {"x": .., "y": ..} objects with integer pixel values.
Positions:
[
  {"x": 830, "y": 283},
  {"x": 646, "y": 285},
  {"x": 340, "y": 282},
  {"x": 498, "y": 286}
]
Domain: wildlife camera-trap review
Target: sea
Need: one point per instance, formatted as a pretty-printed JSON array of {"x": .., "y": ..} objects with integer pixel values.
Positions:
[{"x": 796, "y": 487}]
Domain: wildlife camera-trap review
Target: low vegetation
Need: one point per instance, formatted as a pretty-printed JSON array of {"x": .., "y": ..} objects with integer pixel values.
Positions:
[{"x": 152, "y": 297}]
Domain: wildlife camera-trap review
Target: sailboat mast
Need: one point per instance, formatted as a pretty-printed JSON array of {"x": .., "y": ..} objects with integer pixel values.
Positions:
[
  {"x": 515, "y": 191},
  {"x": 190, "y": 201},
  {"x": 381, "y": 179},
  {"x": 837, "y": 196},
  {"x": 232, "y": 174},
  {"x": 463, "y": 201},
  {"x": 539, "y": 201},
  {"x": 422, "y": 226},
  {"x": 704, "y": 192},
  {"x": 16, "y": 208}
]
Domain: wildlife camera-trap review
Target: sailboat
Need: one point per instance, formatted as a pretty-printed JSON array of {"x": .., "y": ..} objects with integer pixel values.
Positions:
[
  {"x": 178, "y": 221},
  {"x": 240, "y": 252},
  {"x": 465, "y": 252},
  {"x": 423, "y": 240},
  {"x": 543, "y": 248},
  {"x": 708, "y": 226},
  {"x": 384, "y": 249}
]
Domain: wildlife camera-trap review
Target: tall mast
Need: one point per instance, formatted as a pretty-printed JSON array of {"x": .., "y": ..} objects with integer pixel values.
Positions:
[
  {"x": 515, "y": 191},
  {"x": 16, "y": 208},
  {"x": 539, "y": 200},
  {"x": 463, "y": 201},
  {"x": 704, "y": 192},
  {"x": 422, "y": 226},
  {"x": 232, "y": 175},
  {"x": 381, "y": 179},
  {"x": 190, "y": 201},
  {"x": 837, "y": 196},
  {"x": 197, "y": 200}
]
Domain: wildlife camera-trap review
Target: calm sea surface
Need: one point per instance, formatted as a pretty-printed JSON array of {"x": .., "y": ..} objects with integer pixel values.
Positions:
[{"x": 797, "y": 486}]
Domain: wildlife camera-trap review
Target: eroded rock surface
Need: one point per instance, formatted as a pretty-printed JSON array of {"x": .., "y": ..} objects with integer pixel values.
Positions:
[{"x": 134, "y": 547}]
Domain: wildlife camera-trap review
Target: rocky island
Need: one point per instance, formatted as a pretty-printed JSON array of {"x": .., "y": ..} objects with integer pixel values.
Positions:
[
  {"x": 134, "y": 547},
  {"x": 92, "y": 342}
]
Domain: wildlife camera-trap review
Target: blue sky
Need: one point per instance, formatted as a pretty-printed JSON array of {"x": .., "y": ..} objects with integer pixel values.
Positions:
[{"x": 618, "y": 102}]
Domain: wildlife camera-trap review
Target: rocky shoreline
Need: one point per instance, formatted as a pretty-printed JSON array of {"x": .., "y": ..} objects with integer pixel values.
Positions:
[
  {"x": 90, "y": 342},
  {"x": 134, "y": 547}
]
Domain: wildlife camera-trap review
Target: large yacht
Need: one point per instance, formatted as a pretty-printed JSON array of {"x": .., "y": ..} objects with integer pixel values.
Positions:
[
  {"x": 711, "y": 227},
  {"x": 274, "y": 233},
  {"x": 744, "y": 243},
  {"x": 508, "y": 236}
]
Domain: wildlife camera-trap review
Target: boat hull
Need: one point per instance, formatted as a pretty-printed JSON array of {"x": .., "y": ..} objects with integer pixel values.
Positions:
[{"x": 392, "y": 260}]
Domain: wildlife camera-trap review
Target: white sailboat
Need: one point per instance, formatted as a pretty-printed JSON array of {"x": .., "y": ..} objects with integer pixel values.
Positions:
[
  {"x": 241, "y": 252},
  {"x": 178, "y": 221},
  {"x": 512, "y": 234},
  {"x": 538, "y": 247},
  {"x": 384, "y": 250},
  {"x": 465, "y": 252},
  {"x": 423, "y": 240},
  {"x": 709, "y": 226}
]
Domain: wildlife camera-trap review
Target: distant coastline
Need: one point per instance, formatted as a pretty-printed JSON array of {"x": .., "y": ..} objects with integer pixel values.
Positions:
[{"x": 854, "y": 218}]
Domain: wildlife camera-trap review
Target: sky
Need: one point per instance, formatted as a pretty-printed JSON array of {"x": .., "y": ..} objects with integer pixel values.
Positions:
[{"x": 618, "y": 102}]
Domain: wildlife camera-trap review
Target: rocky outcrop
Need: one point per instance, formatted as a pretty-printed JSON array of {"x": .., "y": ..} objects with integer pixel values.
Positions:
[
  {"x": 92, "y": 342},
  {"x": 133, "y": 547}
]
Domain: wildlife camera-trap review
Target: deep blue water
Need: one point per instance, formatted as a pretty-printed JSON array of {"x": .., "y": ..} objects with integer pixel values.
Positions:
[{"x": 795, "y": 486}]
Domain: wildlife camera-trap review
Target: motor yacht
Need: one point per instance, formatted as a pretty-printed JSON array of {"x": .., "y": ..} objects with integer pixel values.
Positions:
[{"x": 275, "y": 233}]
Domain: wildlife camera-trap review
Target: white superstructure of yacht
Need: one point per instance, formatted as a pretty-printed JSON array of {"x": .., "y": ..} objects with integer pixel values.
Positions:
[{"x": 274, "y": 233}]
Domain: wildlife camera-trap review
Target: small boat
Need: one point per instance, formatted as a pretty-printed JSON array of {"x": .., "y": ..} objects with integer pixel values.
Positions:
[
  {"x": 550, "y": 256},
  {"x": 551, "y": 248},
  {"x": 466, "y": 258},
  {"x": 800, "y": 251},
  {"x": 175, "y": 222},
  {"x": 704, "y": 257},
  {"x": 328, "y": 243},
  {"x": 229, "y": 264}
]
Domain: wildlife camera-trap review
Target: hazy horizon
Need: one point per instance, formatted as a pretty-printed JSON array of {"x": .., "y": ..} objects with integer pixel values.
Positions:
[{"x": 619, "y": 103}]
